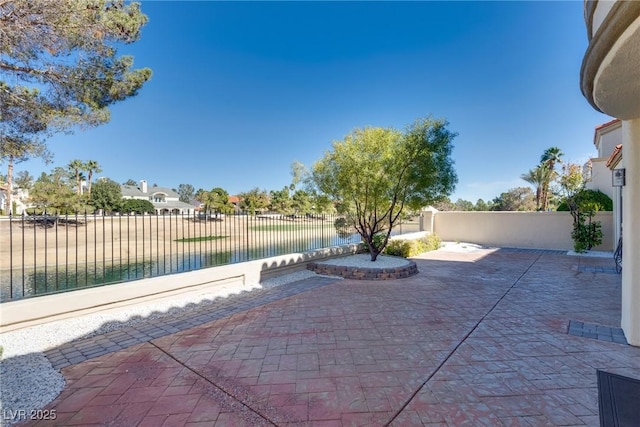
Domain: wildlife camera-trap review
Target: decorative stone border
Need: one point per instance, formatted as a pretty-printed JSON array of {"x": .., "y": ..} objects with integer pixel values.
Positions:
[{"x": 364, "y": 273}]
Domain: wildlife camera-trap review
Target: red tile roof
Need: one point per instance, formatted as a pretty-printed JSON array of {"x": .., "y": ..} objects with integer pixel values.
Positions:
[
  {"x": 601, "y": 127},
  {"x": 616, "y": 152}
]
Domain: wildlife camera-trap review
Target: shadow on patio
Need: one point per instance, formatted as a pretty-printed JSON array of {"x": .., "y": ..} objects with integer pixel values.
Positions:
[{"x": 475, "y": 338}]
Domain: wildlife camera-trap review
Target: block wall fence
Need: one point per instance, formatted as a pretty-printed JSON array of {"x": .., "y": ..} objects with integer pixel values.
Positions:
[{"x": 536, "y": 230}]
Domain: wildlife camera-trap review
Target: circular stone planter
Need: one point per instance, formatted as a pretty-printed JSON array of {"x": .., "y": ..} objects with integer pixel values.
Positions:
[{"x": 358, "y": 272}]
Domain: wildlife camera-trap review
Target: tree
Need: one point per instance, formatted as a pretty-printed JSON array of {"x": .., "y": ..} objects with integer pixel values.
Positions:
[
  {"x": 464, "y": 205},
  {"x": 66, "y": 51},
  {"x": 18, "y": 150},
  {"x": 444, "y": 204},
  {"x": 299, "y": 173},
  {"x": 301, "y": 202},
  {"x": 321, "y": 203},
  {"x": 550, "y": 158},
  {"x": 481, "y": 205},
  {"x": 280, "y": 201},
  {"x": 186, "y": 192},
  {"x": 539, "y": 177},
  {"x": 106, "y": 195},
  {"x": 54, "y": 193},
  {"x": 24, "y": 180},
  {"x": 516, "y": 199},
  {"x": 216, "y": 200},
  {"x": 375, "y": 173},
  {"x": 75, "y": 167},
  {"x": 130, "y": 182},
  {"x": 137, "y": 206},
  {"x": 91, "y": 166},
  {"x": 254, "y": 200},
  {"x": 588, "y": 197},
  {"x": 21, "y": 130}
]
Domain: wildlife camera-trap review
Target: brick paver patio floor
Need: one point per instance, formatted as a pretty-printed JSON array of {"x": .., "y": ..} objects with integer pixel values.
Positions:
[{"x": 476, "y": 338}]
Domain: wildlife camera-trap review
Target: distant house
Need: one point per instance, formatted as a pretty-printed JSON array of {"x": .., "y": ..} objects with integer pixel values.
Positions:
[
  {"x": 164, "y": 200},
  {"x": 235, "y": 201},
  {"x": 608, "y": 141},
  {"x": 20, "y": 199}
]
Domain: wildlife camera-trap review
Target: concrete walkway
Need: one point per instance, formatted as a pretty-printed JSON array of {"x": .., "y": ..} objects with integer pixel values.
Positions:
[{"x": 476, "y": 338}]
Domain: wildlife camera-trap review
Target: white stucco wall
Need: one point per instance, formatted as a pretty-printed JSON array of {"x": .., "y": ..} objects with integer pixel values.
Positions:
[
  {"x": 600, "y": 177},
  {"x": 540, "y": 230},
  {"x": 609, "y": 138},
  {"x": 630, "y": 229}
]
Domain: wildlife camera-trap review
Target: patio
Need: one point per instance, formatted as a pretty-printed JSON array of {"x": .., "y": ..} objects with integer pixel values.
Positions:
[{"x": 475, "y": 338}]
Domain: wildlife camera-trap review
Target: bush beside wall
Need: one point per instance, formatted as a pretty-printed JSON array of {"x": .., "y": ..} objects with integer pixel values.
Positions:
[{"x": 409, "y": 248}]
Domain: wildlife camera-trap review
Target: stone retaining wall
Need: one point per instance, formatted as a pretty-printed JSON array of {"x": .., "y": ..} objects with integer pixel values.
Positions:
[{"x": 364, "y": 273}]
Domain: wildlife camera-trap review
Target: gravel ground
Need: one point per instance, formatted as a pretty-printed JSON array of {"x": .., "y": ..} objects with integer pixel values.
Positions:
[{"x": 364, "y": 260}]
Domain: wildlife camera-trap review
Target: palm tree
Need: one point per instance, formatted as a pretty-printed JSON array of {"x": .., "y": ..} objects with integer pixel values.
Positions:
[
  {"x": 91, "y": 167},
  {"x": 539, "y": 176},
  {"x": 76, "y": 167},
  {"x": 550, "y": 157}
]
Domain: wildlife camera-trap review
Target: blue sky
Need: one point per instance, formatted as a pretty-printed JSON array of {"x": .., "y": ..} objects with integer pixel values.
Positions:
[{"x": 240, "y": 90}]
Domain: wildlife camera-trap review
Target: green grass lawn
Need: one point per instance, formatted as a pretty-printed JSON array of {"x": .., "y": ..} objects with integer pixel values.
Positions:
[
  {"x": 289, "y": 227},
  {"x": 201, "y": 239}
]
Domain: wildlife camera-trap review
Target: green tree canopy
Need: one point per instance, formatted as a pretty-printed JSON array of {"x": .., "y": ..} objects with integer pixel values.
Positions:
[
  {"x": 549, "y": 159},
  {"x": 216, "y": 200},
  {"x": 91, "y": 167},
  {"x": 321, "y": 203},
  {"x": 464, "y": 205},
  {"x": 516, "y": 199},
  {"x": 539, "y": 177},
  {"x": 375, "y": 173},
  {"x": 186, "y": 192},
  {"x": 24, "y": 180},
  {"x": 75, "y": 168},
  {"x": 54, "y": 193},
  {"x": 254, "y": 200},
  {"x": 137, "y": 206},
  {"x": 59, "y": 69},
  {"x": 65, "y": 52},
  {"x": 587, "y": 197},
  {"x": 301, "y": 202},
  {"x": 106, "y": 195},
  {"x": 280, "y": 201},
  {"x": 481, "y": 205}
]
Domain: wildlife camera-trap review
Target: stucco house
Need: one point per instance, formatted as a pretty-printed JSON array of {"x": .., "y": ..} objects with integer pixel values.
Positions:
[
  {"x": 20, "y": 198},
  {"x": 164, "y": 200},
  {"x": 607, "y": 139},
  {"x": 610, "y": 82}
]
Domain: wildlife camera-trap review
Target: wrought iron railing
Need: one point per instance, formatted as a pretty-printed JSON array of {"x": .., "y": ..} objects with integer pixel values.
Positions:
[
  {"x": 46, "y": 254},
  {"x": 617, "y": 256}
]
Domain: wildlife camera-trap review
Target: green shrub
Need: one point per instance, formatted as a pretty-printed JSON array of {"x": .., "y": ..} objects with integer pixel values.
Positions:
[
  {"x": 137, "y": 206},
  {"x": 586, "y": 233},
  {"x": 409, "y": 248},
  {"x": 586, "y": 197},
  {"x": 378, "y": 240}
]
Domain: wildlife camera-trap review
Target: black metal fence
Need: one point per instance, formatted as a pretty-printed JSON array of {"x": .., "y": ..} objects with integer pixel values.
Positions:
[{"x": 45, "y": 254}]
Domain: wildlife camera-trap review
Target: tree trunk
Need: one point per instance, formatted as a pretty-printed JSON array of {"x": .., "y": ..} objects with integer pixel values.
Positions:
[
  {"x": 89, "y": 182},
  {"x": 10, "y": 187},
  {"x": 373, "y": 251}
]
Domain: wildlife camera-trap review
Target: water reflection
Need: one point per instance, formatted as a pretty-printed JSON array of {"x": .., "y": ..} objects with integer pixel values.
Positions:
[{"x": 29, "y": 282}]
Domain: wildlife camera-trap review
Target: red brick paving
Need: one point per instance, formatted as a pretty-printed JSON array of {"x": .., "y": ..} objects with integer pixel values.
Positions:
[{"x": 473, "y": 339}]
